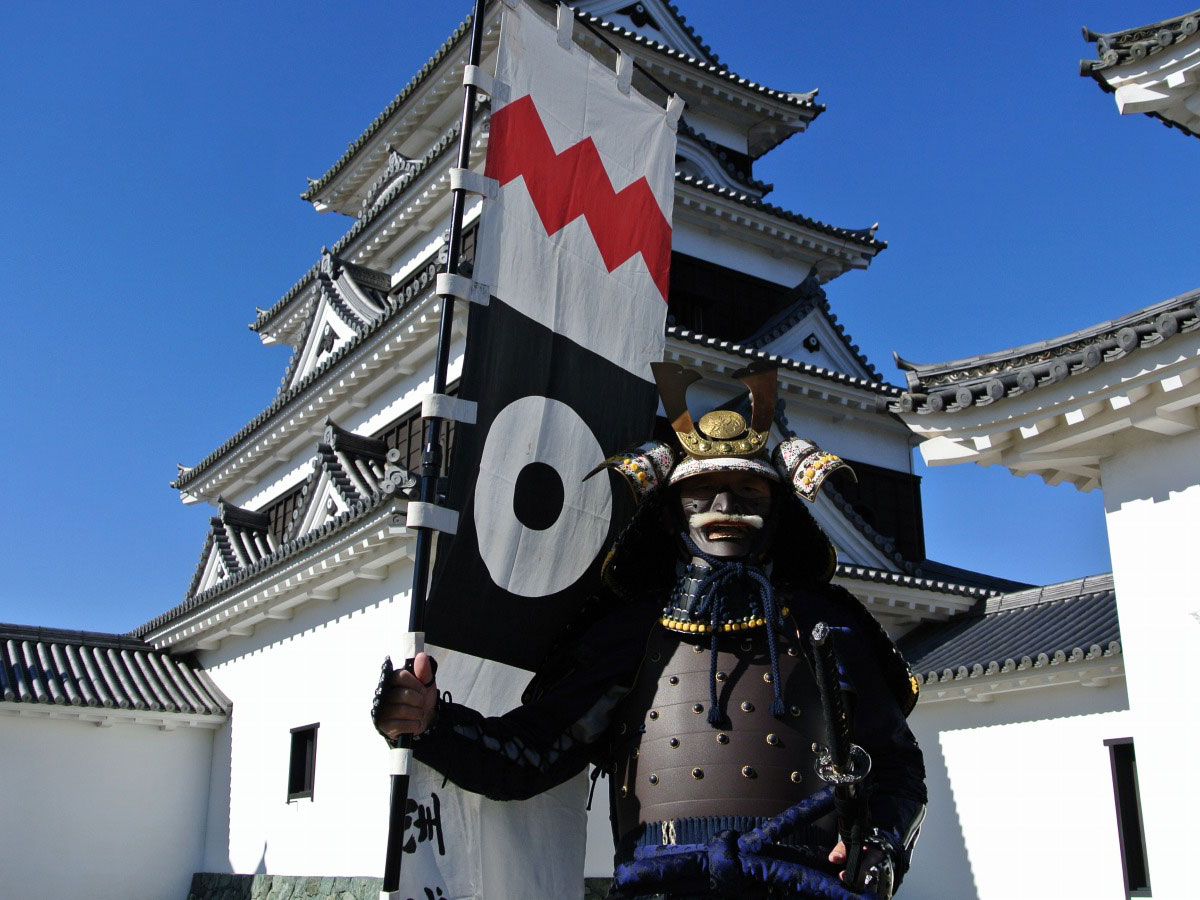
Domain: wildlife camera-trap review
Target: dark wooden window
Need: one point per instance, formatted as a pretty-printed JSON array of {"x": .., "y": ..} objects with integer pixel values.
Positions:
[
  {"x": 1134, "y": 864},
  {"x": 406, "y": 434},
  {"x": 279, "y": 513},
  {"x": 302, "y": 765},
  {"x": 890, "y": 502},
  {"x": 720, "y": 302}
]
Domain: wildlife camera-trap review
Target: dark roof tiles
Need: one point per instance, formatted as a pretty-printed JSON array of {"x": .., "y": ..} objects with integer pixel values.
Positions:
[
  {"x": 1074, "y": 620},
  {"x": 459, "y": 34},
  {"x": 800, "y": 100},
  {"x": 694, "y": 337},
  {"x": 1118, "y": 47},
  {"x": 863, "y": 236},
  {"x": 395, "y": 190},
  {"x": 284, "y": 552},
  {"x": 979, "y": 380},
  {"x": 1134, "y": 45},
  {"x": 103, "y": 671}
]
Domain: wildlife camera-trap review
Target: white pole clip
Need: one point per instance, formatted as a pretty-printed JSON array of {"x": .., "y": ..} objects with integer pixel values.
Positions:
[
  {"x": 674, "y": 111},
  {"x": 430, "y": 515},
  {"x": 463, "y": 288},
  {"x": 443, "y": 406},
  {"x": 624, "y": 72},
  {"x": 475, "y": 182},
  {"x": 566, "y": 25},
  {"x": 478, "y": 78}
]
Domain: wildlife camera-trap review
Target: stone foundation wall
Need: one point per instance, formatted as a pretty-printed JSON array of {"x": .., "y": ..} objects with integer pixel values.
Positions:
[{"x": 214, "y": 886}]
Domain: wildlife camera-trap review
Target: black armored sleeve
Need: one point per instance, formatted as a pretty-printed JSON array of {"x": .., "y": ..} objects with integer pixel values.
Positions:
[
  {"x": 879, "y": 677},
  {"x": 560, "y": 728}
]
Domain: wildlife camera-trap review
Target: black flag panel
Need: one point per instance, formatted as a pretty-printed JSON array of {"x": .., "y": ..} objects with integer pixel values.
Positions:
[{"x": 531, "y": 531}]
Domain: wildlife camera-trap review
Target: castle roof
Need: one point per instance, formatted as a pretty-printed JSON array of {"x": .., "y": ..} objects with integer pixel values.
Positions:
[
  {"x": 992, "y": 377},
  {"x": 93, "y": 671},
  {"x": 1020, "y": 631}
]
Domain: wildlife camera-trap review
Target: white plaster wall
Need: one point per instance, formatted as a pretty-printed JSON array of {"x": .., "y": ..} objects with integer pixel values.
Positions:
[
  {"x": 322, "y": 666},
  {"x": 718, "y": 130},
  {"x": 725, "y": 248},
  {"x": 1020, "y": 797},
  {"x": 113, "y": 812},
  {"x": 1152, "y": 503}
]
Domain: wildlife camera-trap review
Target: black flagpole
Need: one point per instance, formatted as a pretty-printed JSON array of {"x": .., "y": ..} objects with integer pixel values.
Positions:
[{"x": 431, "y": 460}]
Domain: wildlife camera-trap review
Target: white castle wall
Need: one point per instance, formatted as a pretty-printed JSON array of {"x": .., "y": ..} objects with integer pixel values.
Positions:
[
  {"x": 322, "y": 666},
  {"x": 1020, "y": 796},
  {"x": 1152, "y": 503},
  {"x": 74, "y": 794}
]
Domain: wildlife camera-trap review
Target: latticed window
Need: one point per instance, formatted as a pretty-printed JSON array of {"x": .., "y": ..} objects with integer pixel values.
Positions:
[
  {"x": 280, "y": 512},
  {"x": 406, "y": 435}
]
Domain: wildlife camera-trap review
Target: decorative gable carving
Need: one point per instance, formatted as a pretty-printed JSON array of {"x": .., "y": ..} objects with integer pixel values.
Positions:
[
  {"x": 347, "y": 300},
  {"x": 238, "y": 539},
  {"x": 805, "y": 329},
  {"x": 349, "y": 468}
]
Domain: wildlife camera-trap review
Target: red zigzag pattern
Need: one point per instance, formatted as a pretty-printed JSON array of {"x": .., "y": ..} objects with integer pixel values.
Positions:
[{"x": 567, "y": 185}]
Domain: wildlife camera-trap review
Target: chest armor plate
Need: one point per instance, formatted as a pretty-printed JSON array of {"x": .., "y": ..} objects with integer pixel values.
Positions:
[{"x": 675, "y": 765}]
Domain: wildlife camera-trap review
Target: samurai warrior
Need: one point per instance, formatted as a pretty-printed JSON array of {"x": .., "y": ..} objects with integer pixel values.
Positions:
[{"x": 749, "y": 714}]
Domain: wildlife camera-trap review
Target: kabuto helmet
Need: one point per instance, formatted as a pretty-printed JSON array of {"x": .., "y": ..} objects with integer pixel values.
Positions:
[
  {"x": 643, "y": 554},
  {"x": 722, "y": 440}
]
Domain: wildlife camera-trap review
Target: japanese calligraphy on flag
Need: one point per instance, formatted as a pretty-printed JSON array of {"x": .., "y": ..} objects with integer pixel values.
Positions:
[{"x": 574, "y": 245}]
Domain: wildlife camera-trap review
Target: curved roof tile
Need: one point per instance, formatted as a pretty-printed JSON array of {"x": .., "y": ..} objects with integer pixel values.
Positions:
[
  {"x": 104, "y": 671},
  {"x": 1071, "y": 621},
  {"x": 979, "y": 380},
  {"x": 695, "y": 337},
  {"x": 460, "y": 33}
]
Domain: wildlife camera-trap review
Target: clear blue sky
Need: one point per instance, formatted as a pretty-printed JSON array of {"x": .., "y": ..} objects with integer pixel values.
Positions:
[{"x": 153, "y": 155}]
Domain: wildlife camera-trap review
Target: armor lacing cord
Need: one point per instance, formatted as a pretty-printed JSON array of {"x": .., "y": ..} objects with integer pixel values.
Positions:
[{"x": 721, "y": 574}]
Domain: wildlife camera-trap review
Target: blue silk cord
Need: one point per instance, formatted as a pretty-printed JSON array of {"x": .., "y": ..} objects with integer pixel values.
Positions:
[
  {"x": 723, "y": 573},
  {"x": 731, "y": 863}
]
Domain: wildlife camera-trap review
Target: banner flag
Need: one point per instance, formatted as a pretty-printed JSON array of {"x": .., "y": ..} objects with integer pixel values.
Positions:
[{"x": 575, "y": 247}]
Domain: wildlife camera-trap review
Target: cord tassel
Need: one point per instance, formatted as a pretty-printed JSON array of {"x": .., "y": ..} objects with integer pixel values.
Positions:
[{"x": 723, "y": 573}]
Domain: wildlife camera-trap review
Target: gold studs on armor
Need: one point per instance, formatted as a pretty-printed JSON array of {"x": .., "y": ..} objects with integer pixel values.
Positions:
[
  {"x": 697, "y": 773},
  {"x": 794, "y": 710},
  {"x": 748, "y": 772},
  {"x": 674, "y": 679},
  {"x": 721, "y": 676},
  {"x": 747, "y": 644},
  {"x": 722, "y": 738},
  {"x": 653, "y": 714},
  {"x": 773, "y": 740},
  {"x": 697, "y": 708},
  {"x": 654, "y": 778},
  {"x": 673, "y": 743},
  {"x": 624, "y": 791},
  {"x": 696, "y": 648},
  {"x": 655, "y": 656},
  {"x": 793, "y": 651},
  {"x": 767, "y": 677},
  {"x": 796, "y": 778},
  {"x": 747, "y": 706}
]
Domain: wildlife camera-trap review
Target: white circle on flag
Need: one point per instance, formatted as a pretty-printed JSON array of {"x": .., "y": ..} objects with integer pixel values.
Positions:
[{"x": 526, "y": 561}]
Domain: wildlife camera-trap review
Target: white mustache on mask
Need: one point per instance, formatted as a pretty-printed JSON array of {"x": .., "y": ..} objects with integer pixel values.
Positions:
[{"x": 704, "y": 519}]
